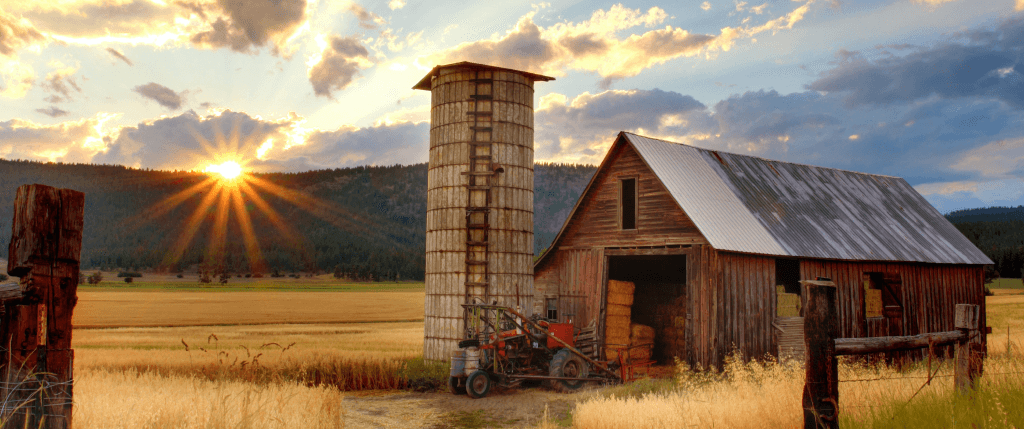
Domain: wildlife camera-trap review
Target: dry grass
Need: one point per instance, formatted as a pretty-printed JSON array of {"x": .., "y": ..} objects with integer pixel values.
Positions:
[
  {"x": 348, "y": 356},
  {"x": 184, "y": 308},
  {"x": 127, "y": 399},
  {"x": 768, "y": 394}
]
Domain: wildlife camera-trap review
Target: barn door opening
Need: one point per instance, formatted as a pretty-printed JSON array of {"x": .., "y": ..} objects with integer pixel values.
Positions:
[{"x": 659, "y": 298}]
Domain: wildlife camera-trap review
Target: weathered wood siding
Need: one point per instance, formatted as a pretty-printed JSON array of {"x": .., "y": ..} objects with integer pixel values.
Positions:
[
  {"x": 928, "y": 293},
  {"x": 732, "y": 307},
  {"x": 659, "y": 221}
]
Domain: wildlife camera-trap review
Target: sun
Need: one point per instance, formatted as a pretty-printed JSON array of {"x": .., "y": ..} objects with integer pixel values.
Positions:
[{"x": 229, "y": 170}]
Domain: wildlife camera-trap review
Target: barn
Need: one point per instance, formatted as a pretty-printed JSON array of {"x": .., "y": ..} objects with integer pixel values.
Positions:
[{"x": 712, "y": 241}]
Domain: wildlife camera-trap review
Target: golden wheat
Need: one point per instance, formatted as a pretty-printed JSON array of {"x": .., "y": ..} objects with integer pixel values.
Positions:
[{"x": 128, "y": 399}]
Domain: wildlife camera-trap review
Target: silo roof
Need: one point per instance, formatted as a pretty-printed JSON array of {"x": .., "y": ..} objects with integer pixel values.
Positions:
[
  {"x": 425, "y": 82},
  {"x": 747, "y": 204}
]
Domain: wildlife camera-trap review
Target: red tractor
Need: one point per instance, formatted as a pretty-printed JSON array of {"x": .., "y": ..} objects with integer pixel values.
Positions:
[{"x": 506, "y": 348}]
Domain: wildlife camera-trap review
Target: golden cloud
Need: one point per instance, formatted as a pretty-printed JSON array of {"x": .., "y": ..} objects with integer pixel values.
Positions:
[{"x": 594, "y": 44}]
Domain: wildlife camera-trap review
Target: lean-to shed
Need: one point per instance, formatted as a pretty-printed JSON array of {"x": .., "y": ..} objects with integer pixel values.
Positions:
[{"x": 708, "y": 236}]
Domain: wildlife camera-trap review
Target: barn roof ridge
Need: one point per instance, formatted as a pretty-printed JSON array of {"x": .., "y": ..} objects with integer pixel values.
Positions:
[
  {"x": 748, "y": 204},
  {"x": 761, "y": 157}
]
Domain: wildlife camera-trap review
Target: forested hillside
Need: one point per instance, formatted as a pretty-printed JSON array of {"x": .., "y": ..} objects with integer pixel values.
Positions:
[
  {"x": 997, "y": 231},
  {"x": 366, "y": 222}
]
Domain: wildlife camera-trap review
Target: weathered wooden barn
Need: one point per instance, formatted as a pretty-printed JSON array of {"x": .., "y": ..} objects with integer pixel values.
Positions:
[{"x": 707, "y": 236}]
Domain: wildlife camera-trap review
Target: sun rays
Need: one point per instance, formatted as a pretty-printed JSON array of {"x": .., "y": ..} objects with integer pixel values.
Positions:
[{"x": 230, "y": 196}]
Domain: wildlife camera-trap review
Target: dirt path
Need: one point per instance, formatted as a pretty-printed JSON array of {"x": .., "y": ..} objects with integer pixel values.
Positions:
[{"x": 513, "y": 408}]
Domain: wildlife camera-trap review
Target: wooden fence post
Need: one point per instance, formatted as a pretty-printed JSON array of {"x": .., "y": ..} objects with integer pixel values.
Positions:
[
  {"x": 967, "y": 365},
  {"x": 44, "y": 252},
  {"x": 821, "y": 325}
]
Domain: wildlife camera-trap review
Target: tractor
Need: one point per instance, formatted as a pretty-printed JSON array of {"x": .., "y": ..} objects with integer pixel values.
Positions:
[{"x": 504, "y": 347}]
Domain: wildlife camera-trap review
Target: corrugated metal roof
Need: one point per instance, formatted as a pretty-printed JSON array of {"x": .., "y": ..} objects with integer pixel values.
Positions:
[{"x": 748, "y": 204}]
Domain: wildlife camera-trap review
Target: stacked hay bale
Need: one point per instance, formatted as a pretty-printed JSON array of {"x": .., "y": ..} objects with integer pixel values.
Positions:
[
  {"x": 617, "y": 317},
  {"x": 640, "y": 335},
  {"x": 670, "y": 326}
]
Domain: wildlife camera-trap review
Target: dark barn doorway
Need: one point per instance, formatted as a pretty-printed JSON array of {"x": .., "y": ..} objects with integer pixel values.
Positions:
[{"x": 659, "y": 300}]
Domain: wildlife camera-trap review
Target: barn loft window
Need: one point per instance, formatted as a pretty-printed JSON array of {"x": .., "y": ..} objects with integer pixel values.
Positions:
[
  {"x": 552, "y": 307},
  {"x": 880, "y": 295},
  {"x": 627, "y": 203}
]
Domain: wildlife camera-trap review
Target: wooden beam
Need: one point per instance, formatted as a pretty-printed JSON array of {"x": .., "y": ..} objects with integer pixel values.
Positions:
[
  {"x": 821, "y": 388},
  {"x": 968, "y": 366},
  {"x": 11, "y": 291},
  {"x": 863, "y": 346},
  {"x": 657, "y": 251},
  {"x": 44, "y": 253}
]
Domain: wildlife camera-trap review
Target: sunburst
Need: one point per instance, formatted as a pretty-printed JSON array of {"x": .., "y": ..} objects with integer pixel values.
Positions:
[{"x": 228, "y": 191}]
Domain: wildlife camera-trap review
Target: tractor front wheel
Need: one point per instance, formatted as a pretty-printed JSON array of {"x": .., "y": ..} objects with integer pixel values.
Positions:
[
  {"x": 456, "y": 386},
  {"x": 567, "y": 364},
  {"x": 478, "y": 384}
]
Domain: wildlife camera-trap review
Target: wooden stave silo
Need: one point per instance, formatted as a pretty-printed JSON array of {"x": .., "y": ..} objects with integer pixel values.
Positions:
[{"x": 462, "y": 94}]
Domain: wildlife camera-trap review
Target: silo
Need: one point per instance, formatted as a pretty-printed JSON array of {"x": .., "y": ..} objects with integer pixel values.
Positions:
[{"x": 479, "y": 195}]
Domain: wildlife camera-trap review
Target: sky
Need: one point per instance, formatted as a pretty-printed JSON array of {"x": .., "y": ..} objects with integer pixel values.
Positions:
[{"x": 928, "y": 90}]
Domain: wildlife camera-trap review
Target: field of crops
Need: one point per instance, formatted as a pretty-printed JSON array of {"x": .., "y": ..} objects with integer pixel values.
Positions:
[{"x": 294, "y": 373}]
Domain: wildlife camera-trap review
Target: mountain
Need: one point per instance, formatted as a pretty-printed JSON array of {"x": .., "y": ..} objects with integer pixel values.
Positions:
[{"x": 365, "y": 222}]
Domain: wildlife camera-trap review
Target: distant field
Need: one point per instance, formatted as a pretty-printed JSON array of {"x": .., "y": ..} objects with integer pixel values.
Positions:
[
  {"x": 104, "y": 308},
  {"x": 1006, "y": 284}
]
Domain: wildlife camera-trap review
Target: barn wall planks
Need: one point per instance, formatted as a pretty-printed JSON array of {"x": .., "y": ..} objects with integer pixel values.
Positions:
[{"x": 928, "y": 294}]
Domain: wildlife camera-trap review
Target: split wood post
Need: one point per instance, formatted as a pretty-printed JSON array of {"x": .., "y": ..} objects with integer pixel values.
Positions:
[
  {"x": 821, "y": 325},
  {"x": 967, "y": 364},
  {"x": 44, "y": 252}
]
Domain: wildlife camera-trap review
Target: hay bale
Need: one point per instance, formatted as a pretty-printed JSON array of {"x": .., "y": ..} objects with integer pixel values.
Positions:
[
  {"x": 620, "y": 298},
  {"x": 640, "y": 334},
  {"x": 619, "y": 310},
  {"x": 611, "y": 353},
  {"x": 640, "y": 354},
  {"x": 621, "y": 287}
]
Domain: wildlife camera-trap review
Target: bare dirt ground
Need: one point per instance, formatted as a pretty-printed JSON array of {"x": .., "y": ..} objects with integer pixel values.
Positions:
[{"x": 512, "y": 408}]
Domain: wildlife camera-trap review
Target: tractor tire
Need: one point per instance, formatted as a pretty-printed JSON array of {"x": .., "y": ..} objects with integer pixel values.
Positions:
[
  {"x": 567, "y": 364},
  {"x": 478, "y": 384},
  {"x": 456, "y": 386}
]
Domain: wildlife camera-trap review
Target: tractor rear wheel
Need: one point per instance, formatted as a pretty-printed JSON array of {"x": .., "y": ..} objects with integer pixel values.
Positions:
[
  {"x": 456, "y": 386},
  {"x": 478, "y": 384},
  {"x": 567, "y": 364}
]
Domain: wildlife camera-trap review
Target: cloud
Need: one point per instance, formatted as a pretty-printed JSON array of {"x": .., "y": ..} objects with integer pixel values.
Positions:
[
  {"x": 367, "y": 19},
  {"x": 70, "y": 141},
  {"x": 595, "y": 44},
  {"x": 985, "y": 63},
  {"x": 60, "y": 83},
  {"x": 16, "y": 78},
  {"x": 337, "y": 65},
  {"x": 53, "y": 112},
  {"x": 580, "y": 130},
  {"x": 705, "y": 6},
  {"x": 119, "y": 55},
  {"x": 396, "y": 4},
  {"x": 192, "y": 141},
  {"x": 249, "y": 24},
  {"x": 161, "y": 94},
  {"x": 15, "y": 34}
]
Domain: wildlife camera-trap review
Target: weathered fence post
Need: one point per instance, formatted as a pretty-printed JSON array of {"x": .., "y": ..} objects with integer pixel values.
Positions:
[
  {"x": 967, "y": 365},
  {"x": 45, "y": 248},
  {"x": 821, "y": 325}
]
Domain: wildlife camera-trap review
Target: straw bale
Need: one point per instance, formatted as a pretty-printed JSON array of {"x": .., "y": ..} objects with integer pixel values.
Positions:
[
  {"x": 620, "y": 298},
  {"x": 621, "y": 287},
  {"x": 640, "y": 334},
  {"x": 619, "y": 310},
  {"x": 640, "y": 354}
]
